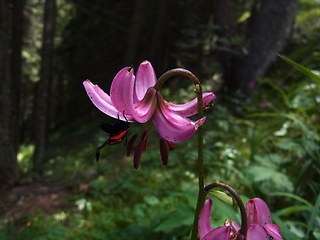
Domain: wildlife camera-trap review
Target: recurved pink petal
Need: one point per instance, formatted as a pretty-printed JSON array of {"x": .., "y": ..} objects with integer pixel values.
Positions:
[
  {"x": 121, "y": 91},
  {"x": 172, "y": 126},
  {"x": 204, "y": 225},
  {"x": 258, "y": 212},
  {"x": 143, "y": 110},
  {"x": 257, "y": 232},
  {"x": 273, "y": 230},
  {"x": 145, "y": 79},
  {"x": 191, "y": 108},
  {"x": 176, "y": 131},
  {"x": 102, "y": 101},
  {"x": 220, "y": 233}
]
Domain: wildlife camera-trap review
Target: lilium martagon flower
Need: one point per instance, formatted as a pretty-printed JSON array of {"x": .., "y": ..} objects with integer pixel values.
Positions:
[
  {"x": 136, "y": 99},
  {"x": 260, "y": 226}
]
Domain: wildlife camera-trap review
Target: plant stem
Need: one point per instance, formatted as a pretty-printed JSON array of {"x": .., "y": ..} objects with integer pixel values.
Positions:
[
  {"x": 173, "y": 72},
  {"x": 199, "y": 164},
  {"x": 244, "y": 221},
  {"x": 200, "y": 167}
]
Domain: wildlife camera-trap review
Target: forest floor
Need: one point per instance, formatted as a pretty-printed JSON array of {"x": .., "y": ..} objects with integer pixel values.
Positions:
[{"x": 28, "y": 198}]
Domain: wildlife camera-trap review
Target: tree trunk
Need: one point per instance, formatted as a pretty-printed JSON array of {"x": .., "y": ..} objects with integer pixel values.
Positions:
[
  {"x": 225, "y": 18},
  {"x": 8, "y": 155},
  {"x": 16, "y": 68},
  {"x": 43, "y": 87},
  {"x": 272, "y": 26}
]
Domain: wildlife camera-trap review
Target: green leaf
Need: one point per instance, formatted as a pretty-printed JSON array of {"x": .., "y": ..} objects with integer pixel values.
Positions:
[
  {"x": 279, "y": 89},
  {"x": 290, "y": 145},
  {"x": 315, "y": 213},
  {"x": 293, "y": 196},
  {"x": 263, "y": 173},
  {"x": 292, "y": 209},
  {"x": 286, "y": 232},
  {"x": 299, "y": 123},
  {"x": 301, "y": 68},
  {"x": 175, "y": 220},
  {"x": 244, "y": 17},
  {"x": 151, "y": 200},
  {"x": 223, "y": 197}
]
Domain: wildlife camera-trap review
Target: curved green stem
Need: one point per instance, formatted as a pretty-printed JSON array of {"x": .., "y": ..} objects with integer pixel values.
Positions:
[
  {"x": 200, "y": 167},
  {"x": 244, "y": 221},
  {"x": 199, "y": 164},
  {"x": 174, "y": 72}
]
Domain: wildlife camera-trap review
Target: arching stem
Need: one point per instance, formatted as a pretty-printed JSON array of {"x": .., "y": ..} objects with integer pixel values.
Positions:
[
  {"x": 199, "y": 164},
  {"x": 244, "y": 221},
  {"x": 174, "y": 72}
]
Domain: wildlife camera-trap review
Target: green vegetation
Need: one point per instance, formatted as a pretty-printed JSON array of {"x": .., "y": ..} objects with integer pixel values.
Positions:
[
  {"x": 265, "y": 145},
  {"x": 270, "y": 152}
]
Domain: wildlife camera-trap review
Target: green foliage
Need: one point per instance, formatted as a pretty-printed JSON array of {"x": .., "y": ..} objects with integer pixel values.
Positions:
[
  {"x": 302, "y": 69},
  {"x": 25, "y": 157},
  {"x": 307, "y": 20},
  {"x": 270, "y": 152},
  {"x": 276, "y": 150}
]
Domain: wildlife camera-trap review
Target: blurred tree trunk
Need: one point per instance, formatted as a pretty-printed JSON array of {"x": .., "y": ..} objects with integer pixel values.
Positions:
[
  {"x": 16, "y": 67},
  {"x": 272, "y": 26},
  {"x": 11, "y": 29},
  {"x": 42, "y": 97},
  {"x": 225, "y": 18},
  {"x": 134, "y": 33}
]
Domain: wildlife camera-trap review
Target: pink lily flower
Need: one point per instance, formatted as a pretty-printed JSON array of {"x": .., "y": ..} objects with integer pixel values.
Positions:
[
  {"x": 139, "y": 101},
  {"x": 260, "y": 222},
  {"x": 260, "y": 226},
  {"x": 205, "y": 230},
  {"x": 134, "y": 98}
]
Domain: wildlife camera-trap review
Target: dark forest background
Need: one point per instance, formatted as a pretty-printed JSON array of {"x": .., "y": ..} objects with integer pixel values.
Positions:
[{"x": 49, "y": 128}]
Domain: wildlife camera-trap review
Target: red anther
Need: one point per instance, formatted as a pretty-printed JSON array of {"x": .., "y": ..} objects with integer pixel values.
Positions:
[
  {"x": 171, "y": 146},
  {"x": 144, "y": 138},
  {"x": 137, "y": 154},
  {"x": 164, "y": 151},
  {"x": 146, "y": 141},
  {"x": 130, "y": 143}
]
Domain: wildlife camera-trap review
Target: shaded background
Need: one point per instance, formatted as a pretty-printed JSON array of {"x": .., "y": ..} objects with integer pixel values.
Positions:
[{"x": 49, "y": 128}]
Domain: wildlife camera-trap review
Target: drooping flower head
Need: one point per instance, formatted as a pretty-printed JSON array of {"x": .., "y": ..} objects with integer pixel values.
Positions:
[
  {"x": 260, "y": 226},
  {"x": 256, "y": 220},
  {"x": 136, "y": 99},
  {"x": 204, "y": 226}
]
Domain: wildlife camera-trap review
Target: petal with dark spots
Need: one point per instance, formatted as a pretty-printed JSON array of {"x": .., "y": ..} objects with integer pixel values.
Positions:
[
  {"x": 258, "y": 212},
  {"x": 102, "y": 101},
  {"x": 121, "y": 90}
]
